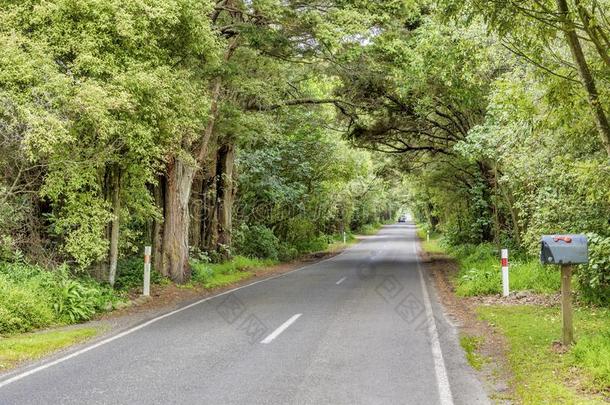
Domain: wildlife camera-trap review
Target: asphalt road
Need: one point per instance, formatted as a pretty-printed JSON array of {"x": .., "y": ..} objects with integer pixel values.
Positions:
[{"x": 364, "y": 327}]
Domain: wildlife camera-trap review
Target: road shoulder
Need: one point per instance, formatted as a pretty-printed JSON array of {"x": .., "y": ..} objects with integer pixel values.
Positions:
[
  {"x": 164, "y": 299},
  {"x": 484, "y": 348}
]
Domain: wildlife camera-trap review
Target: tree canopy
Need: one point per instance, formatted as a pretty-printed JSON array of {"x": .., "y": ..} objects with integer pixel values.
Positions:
[{"x": 200, "y": 125}]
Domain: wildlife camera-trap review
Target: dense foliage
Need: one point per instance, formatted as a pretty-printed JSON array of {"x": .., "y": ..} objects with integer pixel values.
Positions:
[
  {"x": 221, "y": 128},
  {"x": 191, "y": 125},
  {"x": 32, "y": 297}
]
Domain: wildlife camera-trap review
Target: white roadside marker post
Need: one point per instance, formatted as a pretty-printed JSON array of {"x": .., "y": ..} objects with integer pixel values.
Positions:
[
  {"x": 146, "y": 289},
  {"x": 505, "y": 282},
  {"x": 427, "y": 236},
  {"x": 344, "y": 238}
]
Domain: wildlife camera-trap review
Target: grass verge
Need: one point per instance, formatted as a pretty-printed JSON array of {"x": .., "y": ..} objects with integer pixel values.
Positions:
[
  {"x": 214, "y": 275},
  {"x": 370, "y": 229},
  {"x": 471, "y": 344},
  {"x": 430, "y": 246},
  {"x": 545, "y": 375},
  {"x": 480, "y": 271},
  {"x": 32, "y": 346}
]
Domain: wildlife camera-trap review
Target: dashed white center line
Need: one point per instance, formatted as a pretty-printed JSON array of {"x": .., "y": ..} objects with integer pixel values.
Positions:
[
  {"x": 279, "y": 330},
  {"x": 340, "y": 281}
]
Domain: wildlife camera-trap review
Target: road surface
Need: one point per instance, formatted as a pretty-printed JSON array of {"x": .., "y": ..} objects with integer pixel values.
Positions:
[{"x": 363, "y": 327}]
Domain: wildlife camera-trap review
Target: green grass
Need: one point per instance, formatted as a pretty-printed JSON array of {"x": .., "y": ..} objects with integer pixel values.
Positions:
[
  {"x": 433, "y": 245},
  {"x": 484, "y": 277},
  {"x": 593, "y": 353},
  {"x": 214, "y": 275},
  {"x": 369, "y": 229},
  {"x": 480, "y": 273},
  {"x": 544, "y": 376},
  {"x": 221, "y": 280},
  {"x": 471, "y": 344},
  {"x": 32, "y": 346},
  {"x": 337, "y": 242}
]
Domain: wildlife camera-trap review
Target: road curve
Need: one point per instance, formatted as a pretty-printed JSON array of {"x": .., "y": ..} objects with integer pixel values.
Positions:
[{"x": 364, "y": 327}]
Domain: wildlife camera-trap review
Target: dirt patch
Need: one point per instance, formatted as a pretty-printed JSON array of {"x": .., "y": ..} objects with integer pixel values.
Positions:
[
  {"x": 560, "y": 348},
  {"x": 519, "y": 298},
  {"x": 495, "y": 371}
]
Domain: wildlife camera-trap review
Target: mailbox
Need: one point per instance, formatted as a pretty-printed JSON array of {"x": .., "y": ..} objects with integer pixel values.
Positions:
[{"x": 564, "y": 249}]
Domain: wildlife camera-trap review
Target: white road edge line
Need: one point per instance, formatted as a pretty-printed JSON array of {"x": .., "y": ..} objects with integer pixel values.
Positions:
[
  {"x": 442, "y": 381},
  {"x": 341, "y": 280},
  {"x": 282, "y": 328},
  {"x": 4, "y": 383}
]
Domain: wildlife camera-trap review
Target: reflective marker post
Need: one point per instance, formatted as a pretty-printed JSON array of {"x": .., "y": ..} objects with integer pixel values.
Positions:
[
  {"x": 146, "y": 289},
  {"x": 505, "y": 282}
]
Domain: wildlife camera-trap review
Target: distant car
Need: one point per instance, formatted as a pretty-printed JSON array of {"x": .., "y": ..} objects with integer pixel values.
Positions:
[{"x": 402, "y": 218}]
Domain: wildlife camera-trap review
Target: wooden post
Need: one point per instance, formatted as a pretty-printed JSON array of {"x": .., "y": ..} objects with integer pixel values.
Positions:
[{"x": 566, "y": 304}]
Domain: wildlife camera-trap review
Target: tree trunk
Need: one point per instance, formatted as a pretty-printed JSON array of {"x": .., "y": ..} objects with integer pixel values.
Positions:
[
  {"x": 489, "y": 232},
  {"x": 586, "y": 77},
  {"x": 176, "y": 227},
  {"x": 209, "y": 226},
  {"x": 114, "y": 233},
  {"x": 494, "y": 205},
  {"x": 226, "y": 161},
  {"x": 514, "y": 215},
  {"x": 100, "y": 270},
  {"x": 157, "y": 236},
  {"x": 196, "y": 211},
  {"x": 595, "y": 32},
  {"x": 180, "y": 177}
]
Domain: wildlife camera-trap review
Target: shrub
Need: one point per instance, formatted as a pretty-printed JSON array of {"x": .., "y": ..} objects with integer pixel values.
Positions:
[
  {"x": 287, "y": 252},
  {"x": 32, "y": 297},
  {"x": 23, "y": 308},
  {"x": 304, "y": 237},
  {"x": 594, "y": 277},
  {"x": 75, "y": 302},
  {"x": 256, "y": 241},
  {"x": 130, "y": 274},
  {"x": 368, "y": 229}
]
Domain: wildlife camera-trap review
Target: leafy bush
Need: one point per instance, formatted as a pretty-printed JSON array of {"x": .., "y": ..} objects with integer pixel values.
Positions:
[
  {"x": 23, "y": 308},
  {"x": 316, "y": 244},
  {"x": 130, "y": 274},
  {"x": 368, "y": 229},
  {"x": 257, "y": 241},
  {"x": 75, "y": 302},
  {"x": 304, "y": 237},
  {"x": 594, "y": 277},
  {"x": 287, "y": 252},
  {"x": 31, "y": 297}
]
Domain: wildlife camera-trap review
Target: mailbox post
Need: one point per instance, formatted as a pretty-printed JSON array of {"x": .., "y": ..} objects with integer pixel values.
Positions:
[
  {"x": 567, "y": 327},
  {"x": 565, "y": 250}
]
